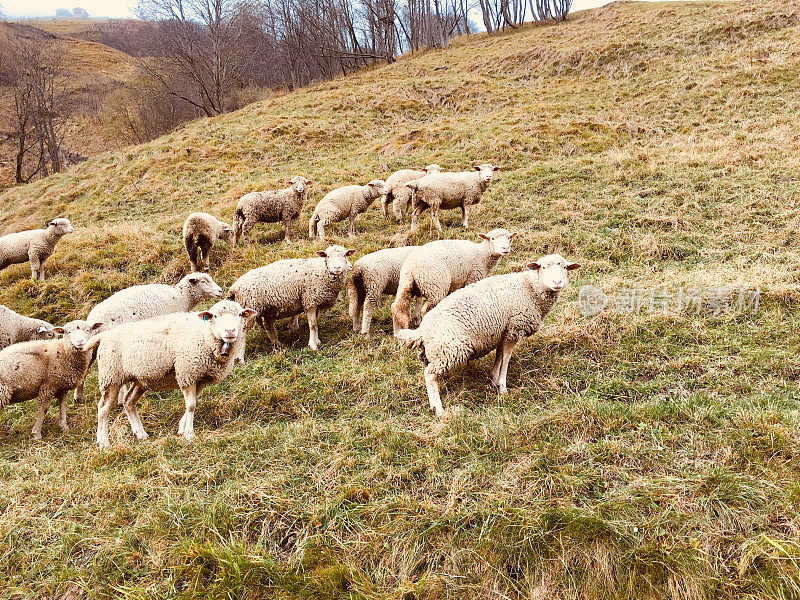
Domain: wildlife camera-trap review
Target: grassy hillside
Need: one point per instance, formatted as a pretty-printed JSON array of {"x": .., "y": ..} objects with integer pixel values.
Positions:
[{"x": 642, "y": 455}]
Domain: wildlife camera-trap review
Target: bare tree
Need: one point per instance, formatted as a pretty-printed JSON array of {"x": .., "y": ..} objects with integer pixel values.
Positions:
[{"x": 40, "y": 102}]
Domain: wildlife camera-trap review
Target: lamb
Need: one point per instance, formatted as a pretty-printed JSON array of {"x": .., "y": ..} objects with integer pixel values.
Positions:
[
  {"x": 289, "y": 287},
  {"x": 344, "y": 203},
  {"x": 185, "y": 351},
  {"x": 441, "y": 267},
  {"x": 271, "y": 207},
  {"x": 16, "y": 328},
  {"x": 46, "y": 369},
  {"x": 200, "y": 231},
  {"x": 374, "y": 274},
  {"x": 140, "y": 302},
  {"x": 494, "y": 314},
  {"x": 449, "y": 190},
  {"x": 34, "y": 245},
  {"x": 399, "y": 194}
]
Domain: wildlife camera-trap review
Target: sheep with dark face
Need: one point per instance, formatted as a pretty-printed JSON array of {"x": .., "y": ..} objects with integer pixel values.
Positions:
[
  {"x": 200, "y": 231},
  {"x": 496, "y": 313},
  {"x": 34, "y": 245},
  {"x": 186, "y": 351},
  {"x": 273, "y": 206},
  {"x": 290, "y": 287}
]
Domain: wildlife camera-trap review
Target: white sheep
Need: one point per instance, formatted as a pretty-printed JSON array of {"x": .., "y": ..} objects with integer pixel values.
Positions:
[
  {"x": 46, "y": 369},
  {"x": 399, "y": 194},
  {"x": 494, "y": 314},
  {"x": 34, "y": 245},
  {"x": 271, "y": 207},
  {"x": 344, "y": 203},
  {"x": 439, "y": 268},
  {"x": 373, "y": 275},
  {"x": 200, "y": 231},
  {"x": 140, "y": 302},
  {"x": 289, "y": 287},
  {"x": 449, "y": 190},
  {"x": 16, "y": 328},
  {"x": 186, "y": 351}
]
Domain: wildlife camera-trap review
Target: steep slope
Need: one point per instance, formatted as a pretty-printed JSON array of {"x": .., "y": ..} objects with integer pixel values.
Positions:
[{"x": 639, "y": 454}]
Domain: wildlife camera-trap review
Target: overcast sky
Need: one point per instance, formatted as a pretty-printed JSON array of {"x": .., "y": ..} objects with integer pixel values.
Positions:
[{"x": 123, "y": 8}]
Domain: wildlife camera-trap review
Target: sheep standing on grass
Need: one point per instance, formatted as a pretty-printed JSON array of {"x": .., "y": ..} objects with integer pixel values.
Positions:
[
  {"x": 140, "y": 302},
  {"x": 46, "y": 369},
  {"x": 200, "y": 231},
  {"x": 449, "y": 190},
  {"x": 34, "y": 245},
  {"x": 373, "y": 275},
  {"x": 399, "y": 194},
  {"x": 271, "y": 207},
  {"x": 344, "y": 203},
  {"x": 441, "y": 267},
  {"x": 494, "y": 314},
  {"x": 289, "y": 287},
  {"x": 16, "y": 328},
  {"x": 186, "y": 351}
]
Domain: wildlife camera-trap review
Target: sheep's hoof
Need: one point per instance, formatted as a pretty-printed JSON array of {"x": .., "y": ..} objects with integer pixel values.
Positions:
[
  {"x": 189, "y": 436},
  {"x": 141, "y": 436},
  {"x": 64, "y": 428},
  {"x": 37, "y": 436}
]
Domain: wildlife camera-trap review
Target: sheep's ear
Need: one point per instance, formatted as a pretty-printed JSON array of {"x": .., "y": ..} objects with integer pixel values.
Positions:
[
  {"x": 248, "y": 313},
  {"x": 573, "y": 265},
  {"x": 534, "y": 266},
  {"x": 322, "y": 253},
  {"x": 483, "y": 236},
  {"x": 290, "y": 183},
  {"x": 512, "y": 234},
  {"x": 495, "y": 168},
  {"x": 350, "y": 251},
  {"x": 476, "y": 168},
  {"x": 309, "y": 182},
  {"x": 53, "y": 223},
  {"x": 59, "y": 330},
  {"x": 96, "y": 326},
  {"x": 206, "y": 315},
  {"x": 42, "y": 329}
]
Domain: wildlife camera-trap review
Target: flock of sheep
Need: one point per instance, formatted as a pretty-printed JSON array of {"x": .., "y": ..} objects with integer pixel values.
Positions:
[{"x": 144, "y": 337}]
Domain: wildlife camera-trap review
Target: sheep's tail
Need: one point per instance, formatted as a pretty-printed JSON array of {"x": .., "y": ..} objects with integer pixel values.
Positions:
[
  {"x": 410, "y": 338},
  {"x": 194, "y": 246},
  {"x": 312, "y": 225},
  {"x": 355, "y": 292},
  {"x": 238, "y": 224}
]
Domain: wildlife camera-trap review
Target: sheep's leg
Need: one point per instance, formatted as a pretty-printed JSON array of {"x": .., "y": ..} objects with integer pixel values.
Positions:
[
  {"x": 206, "y": 254},
  {"x": 432, "y": 385},
  {"x": 78, "y": 396},
  {"x": 385, "y": 205},
  {"x": 62, "y": 410},
  {"x": 107, "y": 399},
  {"x": 313, "y": 337},
  {"x": 131, "y": 398},
  {"x": 401, "y": 308},
  {"x": 269, "y": 328},
  {"x": 41, "y": 269},
  {"x": 435, "y": 218},
  {"x": 465, "y": 215},
  {"x": 287, "y": 231},
  {"x": 246, "y": 227},
  {"x": 312, "y": 227},
  {"x": 498, "y": 362},
  {"x": 321, "y": 230},
  {"x": 508, "y": 348},
  {"x": 351, "y": 228},
  {"x": 417, "y": 312},
  {"x": 370, "y": 303},
  {"x": 415, "y": 217},
  {"x": 186, "y": 426},
  {"x": 355, "y": 310},
  {"x": 44, "y": 405},
  {"x": 35, "y": 267},
  {"x": 294, "y": 324}
]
